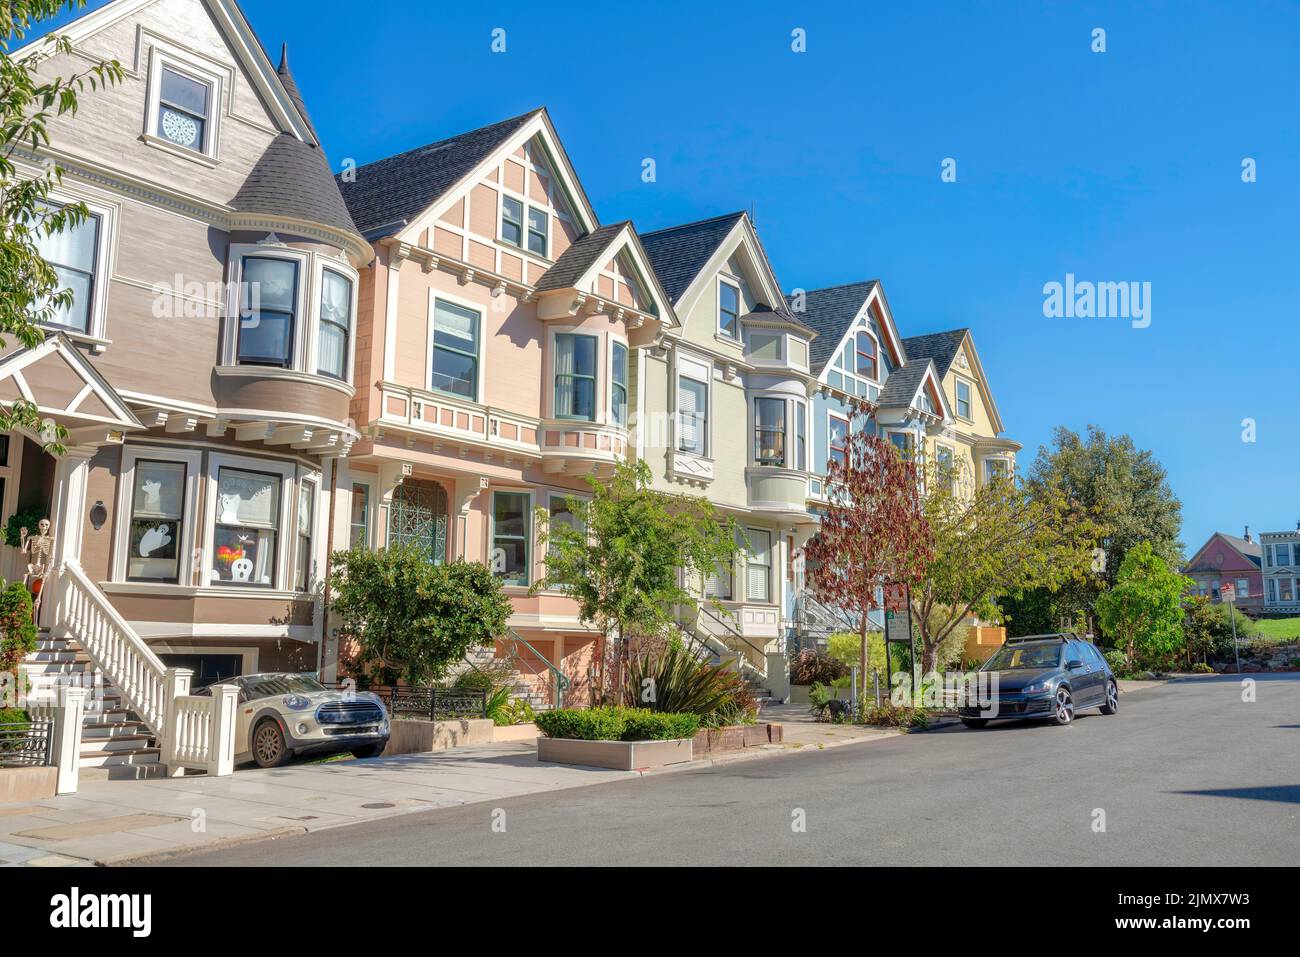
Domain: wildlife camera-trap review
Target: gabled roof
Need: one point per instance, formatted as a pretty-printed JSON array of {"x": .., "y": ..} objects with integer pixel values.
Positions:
[
  {"x": 387, "y": 194},
  {"x": 942, "y": 347},
  {"x": 903, "y": 384},
  {"x": 64, "y": 385},
  {"x": 582, "y": 254},
  {"x": 1252, "y": 552},
  {"x": 830, "y": 312},
  {"x": 678, "y": 253}
]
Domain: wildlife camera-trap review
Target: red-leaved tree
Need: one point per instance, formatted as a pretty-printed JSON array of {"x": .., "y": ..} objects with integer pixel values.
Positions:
[{"x": 873, "y": 531}]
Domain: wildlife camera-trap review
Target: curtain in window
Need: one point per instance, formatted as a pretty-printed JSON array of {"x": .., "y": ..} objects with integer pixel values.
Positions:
[
  {"x": 564, "y": 365},
  {"x": 575, "y": 377},
  {"x": 71, "y": 253},
  {"x": 335, "y": 323}
]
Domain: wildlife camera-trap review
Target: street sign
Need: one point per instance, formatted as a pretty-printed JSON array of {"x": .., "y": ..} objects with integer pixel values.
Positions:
[
  {"x": 1228, "y": 593},
  {"x": 898, "y": 627}
]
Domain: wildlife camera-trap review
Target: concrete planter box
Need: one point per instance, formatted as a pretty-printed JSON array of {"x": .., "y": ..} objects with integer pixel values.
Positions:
[
  {"x": 417, "y": 735},
  {"x": 18, "y": 785},
  {"x": 619, "y": 755},
  {"x": 737, "y": 737},
  {"x": 515, "y": 732}
]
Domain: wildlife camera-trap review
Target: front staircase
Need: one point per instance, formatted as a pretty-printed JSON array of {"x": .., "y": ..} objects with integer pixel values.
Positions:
[{"x": 115, "y": 743}]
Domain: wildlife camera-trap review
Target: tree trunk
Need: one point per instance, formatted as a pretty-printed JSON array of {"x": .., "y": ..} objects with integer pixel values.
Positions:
[{"x": 862, "y": 671}]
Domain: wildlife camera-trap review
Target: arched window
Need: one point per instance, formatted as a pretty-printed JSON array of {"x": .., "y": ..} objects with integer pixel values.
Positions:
[
  {"x": 418, "y": 517},
  {"x": 866, "y": 356}
]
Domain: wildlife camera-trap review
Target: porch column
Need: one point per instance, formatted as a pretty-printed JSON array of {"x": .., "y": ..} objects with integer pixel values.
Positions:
[{"x": 68, "y": 503}]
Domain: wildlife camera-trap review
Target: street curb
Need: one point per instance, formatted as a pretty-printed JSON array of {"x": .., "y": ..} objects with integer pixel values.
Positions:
[
  {"x": 761, "y": 752},
  {"x": 157, "y": 857}
]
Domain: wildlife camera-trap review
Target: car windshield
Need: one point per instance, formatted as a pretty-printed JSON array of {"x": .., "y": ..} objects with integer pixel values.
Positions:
[
  {"x": 1038, "y": 655},
  {"x": 267, "y": 686}
]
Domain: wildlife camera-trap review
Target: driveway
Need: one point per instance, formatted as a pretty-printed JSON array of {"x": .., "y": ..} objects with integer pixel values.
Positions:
[{"x": 1186, "y": 774}]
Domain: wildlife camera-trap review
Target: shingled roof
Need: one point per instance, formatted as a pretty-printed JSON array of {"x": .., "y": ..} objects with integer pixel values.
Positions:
[
  {"x": 900, "y": 388},
  {"x": 829, "y": 312},
  {"x": 292, "y": 178},
  {"x": 678, "y": 253},
  {"x": 942, "y": 347},
  {"x": 388, "y": 193},
  {"x": 579, "y": 257}
]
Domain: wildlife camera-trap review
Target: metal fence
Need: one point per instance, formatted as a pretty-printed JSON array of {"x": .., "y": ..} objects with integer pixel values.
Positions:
[
  {"x": 27, "y": 744},
  {"x": 436, "y": 704}
]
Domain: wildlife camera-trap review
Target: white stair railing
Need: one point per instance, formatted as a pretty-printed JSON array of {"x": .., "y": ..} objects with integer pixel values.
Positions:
[{"x": 113, "y": 646}]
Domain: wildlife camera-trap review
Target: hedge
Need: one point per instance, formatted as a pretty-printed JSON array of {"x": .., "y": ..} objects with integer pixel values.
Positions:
[{"x": 616, "y": 723}]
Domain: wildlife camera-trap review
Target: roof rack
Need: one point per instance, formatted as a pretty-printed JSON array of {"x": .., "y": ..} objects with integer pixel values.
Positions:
[{"x": 1061, "y": 636}]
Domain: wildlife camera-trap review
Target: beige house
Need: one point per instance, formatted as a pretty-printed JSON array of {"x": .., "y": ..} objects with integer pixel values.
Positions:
[{"x": 204, "y": 372}]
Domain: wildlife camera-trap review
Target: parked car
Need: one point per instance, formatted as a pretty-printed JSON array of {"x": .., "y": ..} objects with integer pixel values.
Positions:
[
  {"x": 282, "y": 714},
  {"x": 1049, "y": 677}
]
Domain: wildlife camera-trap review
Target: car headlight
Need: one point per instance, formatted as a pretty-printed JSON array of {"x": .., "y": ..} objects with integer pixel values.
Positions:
[
  {"x": 296, "y": 702},
  {"x": 1042, "y": 684}
]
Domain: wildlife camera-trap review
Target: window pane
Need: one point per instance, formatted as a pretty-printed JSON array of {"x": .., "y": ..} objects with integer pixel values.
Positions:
[
  {"x": 575, "y": 376},
  {"x": 267, "y": 318},
  {"x": 729, "y": 308},
  {"x": 184, "y": 93},
  {"x": 73, "y": 247},
  {"x": 303, "y": 558},
  {"x": 512, "y": 221},
  {"x": 270, "y": 283},
  {"x": 510, "y": 532},
  {"x": 758, "y": 566},
  {"x": 248, "y": 498},
  {"x": 692, "y": 415},
  {"x": 454, "y": 373},
  {"x": 77, "y": 315},
  {"x": 248, "y": 516},
  {"x": 839, "y": 438},
  {"x": 156, "y": 514},
  {"x": 538, "y": 221},
  {"x": 455, "y": 350},
  {"x": 336, "y": 299},
  {"x": 360, "y": 529},
  {"x": 769, "y": 431},
  {"x": 332, "y": 349}
]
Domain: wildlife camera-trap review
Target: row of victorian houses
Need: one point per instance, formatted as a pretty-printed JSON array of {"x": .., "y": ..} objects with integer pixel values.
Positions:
[{"x": 266, "y": 362}]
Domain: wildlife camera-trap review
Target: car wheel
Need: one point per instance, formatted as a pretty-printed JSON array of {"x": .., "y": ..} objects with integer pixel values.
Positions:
[
  {"x": 975, "y": 723},
  {"x": 1063, "y": 709},
  {"x": 269, "y": 750},
  {"x": 1112, "y": 698},
  {"x": 369, "y": 751}
]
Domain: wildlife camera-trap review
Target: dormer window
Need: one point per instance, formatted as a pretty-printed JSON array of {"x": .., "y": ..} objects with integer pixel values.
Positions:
[{"x": 728, "y": 309}]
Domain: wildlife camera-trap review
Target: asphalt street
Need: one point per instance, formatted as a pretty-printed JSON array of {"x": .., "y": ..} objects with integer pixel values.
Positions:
[{"x": 1185, "y": 774}]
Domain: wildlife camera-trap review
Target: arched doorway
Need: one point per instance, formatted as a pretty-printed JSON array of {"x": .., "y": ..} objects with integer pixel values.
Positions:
[{"x": 418, "y": 517}]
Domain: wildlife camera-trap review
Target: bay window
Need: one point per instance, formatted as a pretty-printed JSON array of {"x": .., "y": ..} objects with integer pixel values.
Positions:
[
  {"x": 268, "y": 311},
  {"x": 157, "y": 519},
  {"x": 618, "y": 378},
  {"x": 575, "y": 377},
  {"x": 454, "y": 350},
  {"x": 335, "y": 324},
  {"x": 511, "y": 534},
  {"x": 718, "y": 583},
  {"x": 692, "y": 415},
  {"x": 73, "y": 254},
  {"x": 247, "y": 527},
  {"x": 769, "y": 432},
  {"x": 800, "y": 436},
  {"x": 758, "y": 568}
]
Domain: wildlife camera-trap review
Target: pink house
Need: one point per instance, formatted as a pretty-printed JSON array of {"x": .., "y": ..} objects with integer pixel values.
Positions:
[{"x": 1229, "y": 560}]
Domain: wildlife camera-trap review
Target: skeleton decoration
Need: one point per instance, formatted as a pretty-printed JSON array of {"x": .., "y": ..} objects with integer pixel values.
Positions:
[{"x": 39, "y": 549}]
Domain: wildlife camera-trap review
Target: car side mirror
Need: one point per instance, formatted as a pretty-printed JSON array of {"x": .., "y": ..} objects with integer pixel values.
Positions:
[{"x": 1074, "y": 664}]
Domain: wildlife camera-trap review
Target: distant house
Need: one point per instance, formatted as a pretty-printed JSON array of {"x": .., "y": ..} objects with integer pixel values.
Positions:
[
  {"x": 1229, "y": 560},
  {"x": 1281, "y": 572}
]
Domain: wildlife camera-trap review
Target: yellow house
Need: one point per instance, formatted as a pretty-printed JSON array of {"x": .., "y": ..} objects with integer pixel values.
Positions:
[{"x": 973, "y": 441}]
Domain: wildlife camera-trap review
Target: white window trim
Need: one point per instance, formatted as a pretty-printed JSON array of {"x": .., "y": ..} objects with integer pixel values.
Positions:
[
  {"x": 480, "y": 370},
  {"x": 193, "y": 462},
  {"x": 700, "y": 371},
  {"x": 368, "y": 480},
  {"x": 172, "y": 59},
  {"x": 286, "y": 533},
  {"x": 603, "y": 360},
  {"x": 750, "y": 563},
  {"x": 848, "y": 432},
  {"x": 609, "y": 382},
  {"x": 305, "y": 313},
  {"x": 319, "y": 266},
  {"x": 502, "y": 192},
  {"x": 97, "y": 315},
  {"x": 958, "y": 382},
  {"x": 530, "y": 562},
  {"x": 865, "y": 330},
  {"x": 740, "y": 307},
  {"x": 787, "y": 430},
  {"x": 316, "y": 555}
]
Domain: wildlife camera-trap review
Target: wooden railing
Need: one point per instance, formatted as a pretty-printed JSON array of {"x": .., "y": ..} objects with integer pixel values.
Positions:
[{"x": 113, "y": 645}]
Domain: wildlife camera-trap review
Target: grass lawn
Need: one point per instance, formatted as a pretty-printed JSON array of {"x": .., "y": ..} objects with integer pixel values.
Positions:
[{"x": 1278, "y": 629}]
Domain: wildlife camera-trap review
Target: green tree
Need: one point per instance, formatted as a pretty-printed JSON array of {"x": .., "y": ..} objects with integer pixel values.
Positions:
[
  {"x": 631, "y": 557},
  {"x": 410, "y": 616},
  {"x": 1143, "y": 612},
  {"x": 996, "y": 540},
  {"x": 30, "y": 290}
]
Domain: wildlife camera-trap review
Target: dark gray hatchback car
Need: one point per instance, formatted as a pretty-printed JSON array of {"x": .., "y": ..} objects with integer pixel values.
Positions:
[{"x": 1049, "y": 677}]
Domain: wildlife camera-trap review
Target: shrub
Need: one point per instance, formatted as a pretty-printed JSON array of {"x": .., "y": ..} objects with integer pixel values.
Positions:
[
  {"x": 617, "y": 723},
  {"x": 588, "y": 724},
  {"x": 1115, "y": 658},
  {"x": 889, "y": 715},
  {"x": 643, "y": 725},
  {"x": 1201, "y": 668},
  {"x": 672, "y": 679},
  {"x": 811, "y": 667},
  {"x": 13, "y": 716}
]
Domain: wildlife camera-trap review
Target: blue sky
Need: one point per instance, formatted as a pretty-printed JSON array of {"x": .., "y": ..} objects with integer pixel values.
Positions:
[{"x": 1115, "y": 166}]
